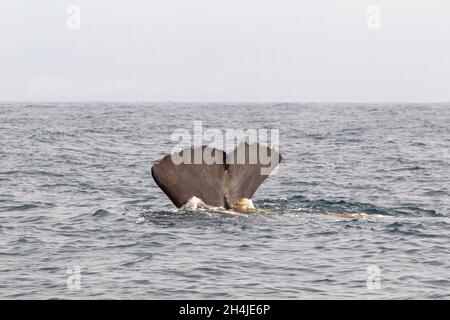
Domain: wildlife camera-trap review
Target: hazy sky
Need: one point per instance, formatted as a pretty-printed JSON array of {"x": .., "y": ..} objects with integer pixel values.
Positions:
[{"x": 227, "y": 50}]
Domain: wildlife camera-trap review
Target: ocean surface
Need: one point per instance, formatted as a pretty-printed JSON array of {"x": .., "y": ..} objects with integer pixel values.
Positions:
[{"x": 358, "y": 209}]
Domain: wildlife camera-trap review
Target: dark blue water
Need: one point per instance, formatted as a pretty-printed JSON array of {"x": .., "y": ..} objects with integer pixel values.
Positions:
[{"x": 361, "y": 187}]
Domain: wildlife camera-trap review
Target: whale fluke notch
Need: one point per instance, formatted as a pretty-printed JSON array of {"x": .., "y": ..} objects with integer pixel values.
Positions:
[{"x": 221, "y": 183}]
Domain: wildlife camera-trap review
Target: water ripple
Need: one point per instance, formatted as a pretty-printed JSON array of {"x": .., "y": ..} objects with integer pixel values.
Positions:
[{"x": 360, "y": 186}]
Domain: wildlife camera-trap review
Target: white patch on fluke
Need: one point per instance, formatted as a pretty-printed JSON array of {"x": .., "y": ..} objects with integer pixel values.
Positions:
[
  {"x": 244, "y": 205},
  {"x": 195, "y": 203}
]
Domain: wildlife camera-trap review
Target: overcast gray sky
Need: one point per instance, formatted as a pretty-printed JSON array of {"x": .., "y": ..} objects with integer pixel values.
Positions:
[{"x": 227, "y": 50}]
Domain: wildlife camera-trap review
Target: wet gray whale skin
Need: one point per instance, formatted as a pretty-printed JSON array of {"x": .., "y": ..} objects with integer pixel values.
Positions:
[{"x": 219, "y": 184}]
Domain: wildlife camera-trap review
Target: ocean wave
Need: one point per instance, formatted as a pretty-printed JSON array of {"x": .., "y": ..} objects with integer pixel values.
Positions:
[
  {"x": 294, "y": 206},
  {"x": 326, "y": 206}
]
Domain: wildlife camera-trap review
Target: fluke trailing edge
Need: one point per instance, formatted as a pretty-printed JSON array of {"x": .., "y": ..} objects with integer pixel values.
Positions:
[{"x": 217, "y": 178}]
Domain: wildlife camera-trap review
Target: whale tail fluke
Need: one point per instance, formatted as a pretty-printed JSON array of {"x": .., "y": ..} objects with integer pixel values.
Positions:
[{"x": 217, "y": 178}]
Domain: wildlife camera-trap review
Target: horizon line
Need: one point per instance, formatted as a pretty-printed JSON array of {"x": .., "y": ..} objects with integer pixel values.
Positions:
[{"x": 223, "y": 102}]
